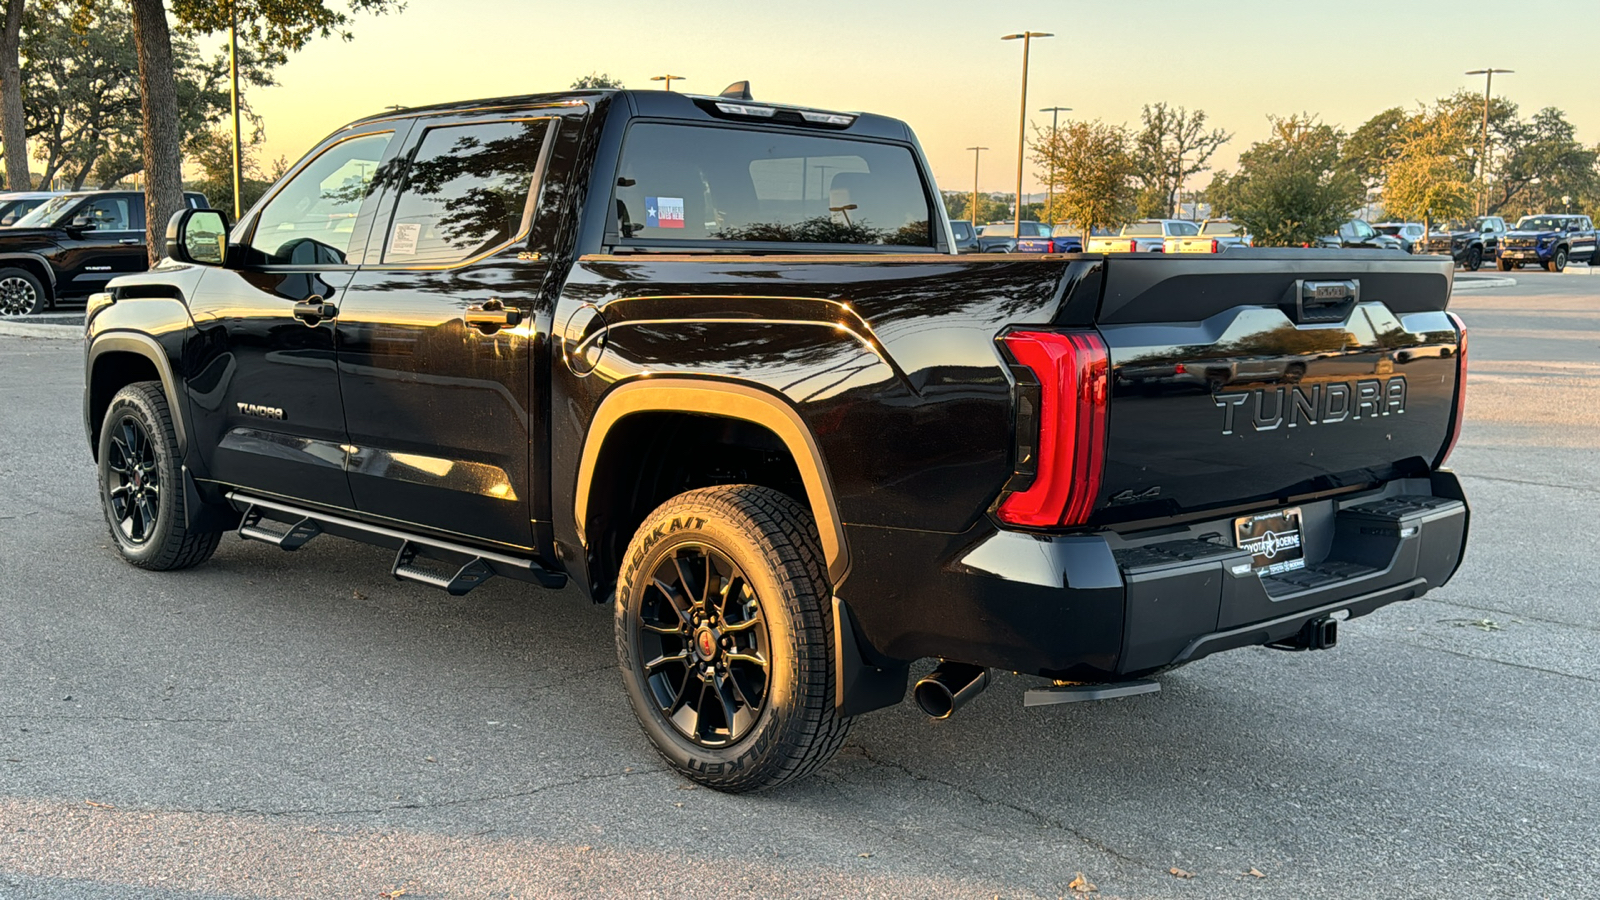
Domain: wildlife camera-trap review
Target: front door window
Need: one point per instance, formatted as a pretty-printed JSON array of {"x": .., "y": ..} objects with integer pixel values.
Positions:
[{"x": 312, "y": 219}]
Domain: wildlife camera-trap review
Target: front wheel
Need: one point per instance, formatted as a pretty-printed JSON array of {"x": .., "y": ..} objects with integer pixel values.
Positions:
[
  {"x": 1558, "y": 262},
  {"x": 1474, "y": 259},
  {"x": 141, "y": 483},
  {"x": 724, "y": 632},
  {"x": 21, "y": 294},
  {"x": 1505, "y": 265}
]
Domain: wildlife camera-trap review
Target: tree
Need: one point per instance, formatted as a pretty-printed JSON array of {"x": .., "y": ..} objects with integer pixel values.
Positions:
[
  {"x": 1290, "y": 189},
  {"x": 1094, "y": 186},
  {"x": 212, "y": 153},
  {"x": 595, "y": 80},
  {"x": 271, "y": 29},
  {"x": 1375, "y": 145},
  {"x": 1173, "y": 145},
  {"x": 13, "y": 120},
  {"x": 990, "y": 208},
  {"x": 1543, "y": 162},
  {"x": 1429, "y": 177},
  {"x": 162, "y": 136},
  {"x": 82, "y": 103}
]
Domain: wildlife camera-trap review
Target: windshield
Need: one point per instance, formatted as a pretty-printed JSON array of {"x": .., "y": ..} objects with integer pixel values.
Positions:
[
  {"x": 1142, "y": 229},
  {"x": 1539, "y": 223},
  {"x": 45, "y": 214},
  {"x": 1215, "y": 228}
]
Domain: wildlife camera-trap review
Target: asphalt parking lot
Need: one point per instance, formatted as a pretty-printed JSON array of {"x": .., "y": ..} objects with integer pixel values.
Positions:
[{"x": 275, "y": 725}]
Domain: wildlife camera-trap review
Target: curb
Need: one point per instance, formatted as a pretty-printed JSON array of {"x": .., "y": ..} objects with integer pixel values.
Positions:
[
  {"x": 1473, "y": 283},
  {"x": 41, "y": 330}
]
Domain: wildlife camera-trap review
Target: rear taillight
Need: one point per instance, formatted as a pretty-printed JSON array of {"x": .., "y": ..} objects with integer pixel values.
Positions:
[
  {"x": 1070, "y": 444},
  {"x": 1213, "y": 246},
  {"x": 1133, "y": 246},
  {"x": 1461, "y": 392}
]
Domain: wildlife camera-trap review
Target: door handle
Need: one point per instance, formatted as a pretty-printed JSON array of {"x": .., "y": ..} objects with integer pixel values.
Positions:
[
  {"x": 130, "y": 241},
  {"x": 314, "y": 309},
  {"x": 491, "y": 316}
]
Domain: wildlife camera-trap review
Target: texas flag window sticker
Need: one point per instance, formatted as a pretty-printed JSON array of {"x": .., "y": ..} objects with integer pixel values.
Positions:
[{"x": 663, "y": 212}]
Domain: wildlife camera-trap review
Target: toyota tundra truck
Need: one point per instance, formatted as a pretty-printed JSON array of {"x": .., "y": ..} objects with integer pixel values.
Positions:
[{"x": 714, "y": 363}]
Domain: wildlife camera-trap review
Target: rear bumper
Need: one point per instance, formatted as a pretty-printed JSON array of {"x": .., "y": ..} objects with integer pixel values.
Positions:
[{"x": 1113, "y": 606}]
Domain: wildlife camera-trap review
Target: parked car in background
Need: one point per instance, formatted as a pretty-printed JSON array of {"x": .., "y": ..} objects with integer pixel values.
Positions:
[
  {"x": 1001, "y": 237},
  {"x": 1143, "y": 236},
  {"x": 966, "y": 236},
  {"x": 1358, "y": 234},
  {"x": 1470, "y": 242},
  {"x": 1551, "y": 241},
  {"x": 1409, "y": 233},
  {"x": 71, "y": 245},
  {"x": 1215, "y": 236},
  {"x": 1062, "y": 239},
  {"x": 16, "y": 204}
]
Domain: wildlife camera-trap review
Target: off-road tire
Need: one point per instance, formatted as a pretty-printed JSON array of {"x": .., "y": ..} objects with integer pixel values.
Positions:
[
  {"x": 21, "y": 294},
  {"x": 1474, "y": 259},
  {"x": 169, "y": 544},
  {"x": 1558, "y": 262},
  {"x": 773, "y": 540},
  {"x": 1505, "y": 265}
]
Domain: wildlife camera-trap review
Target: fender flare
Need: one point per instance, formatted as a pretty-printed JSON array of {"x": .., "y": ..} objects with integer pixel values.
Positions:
[
  {"x": 141, "y": 345},
  {"x": 49, "y": 270},
  {"x": 732, "y": 401}
]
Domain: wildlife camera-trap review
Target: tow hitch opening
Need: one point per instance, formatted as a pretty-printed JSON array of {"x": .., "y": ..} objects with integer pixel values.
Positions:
[{"x": 1318, "y": 634}]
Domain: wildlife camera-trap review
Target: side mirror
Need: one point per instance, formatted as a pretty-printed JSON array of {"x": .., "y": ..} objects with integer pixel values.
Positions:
[
  {"x": 198, "y": 236},
  {"x": 82, "y": 222}
]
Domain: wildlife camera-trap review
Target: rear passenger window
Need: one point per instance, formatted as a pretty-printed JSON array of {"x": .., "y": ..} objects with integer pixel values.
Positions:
[
  {"x": 694, "y": 183},
  {"x": 466, "y": 193}
]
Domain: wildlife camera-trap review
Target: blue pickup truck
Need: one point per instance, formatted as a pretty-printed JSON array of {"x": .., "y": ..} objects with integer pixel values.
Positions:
[
  {"x": 1061, "y": 239},
  {"x": 1551, "y": 241}
]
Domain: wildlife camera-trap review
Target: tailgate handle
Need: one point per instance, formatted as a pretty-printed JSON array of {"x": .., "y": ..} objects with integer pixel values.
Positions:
[{"x": 1324, "y": 301}]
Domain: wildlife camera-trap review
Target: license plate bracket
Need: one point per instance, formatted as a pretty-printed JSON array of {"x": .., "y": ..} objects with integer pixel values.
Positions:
[{"x": 1273, "y": 539}]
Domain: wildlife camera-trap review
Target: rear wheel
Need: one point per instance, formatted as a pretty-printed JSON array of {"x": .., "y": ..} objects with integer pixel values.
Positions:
[
  {"x": 21, "y": 294},
  {"x": 1558, "y": 262},
  {"x": 141, "y": 483},
  {"x": 724, "y": 633},
  {"x": 1474, "y": 259}
]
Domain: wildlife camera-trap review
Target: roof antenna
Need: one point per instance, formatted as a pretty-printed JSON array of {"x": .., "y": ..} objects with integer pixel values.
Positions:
[{"x": 739, "y": 90}]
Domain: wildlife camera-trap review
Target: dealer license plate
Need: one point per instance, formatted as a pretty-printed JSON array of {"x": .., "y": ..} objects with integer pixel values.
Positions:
[{"x": 1273, "y": 540}]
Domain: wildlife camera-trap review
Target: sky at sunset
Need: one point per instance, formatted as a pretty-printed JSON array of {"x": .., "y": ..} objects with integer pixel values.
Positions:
[{"x": 942, "y": 67}]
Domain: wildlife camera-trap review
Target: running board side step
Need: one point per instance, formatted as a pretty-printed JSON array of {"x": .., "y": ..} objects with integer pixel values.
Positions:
[
  {"x": 1078, "y": 693},
  {"x": 472, "y": 566}
]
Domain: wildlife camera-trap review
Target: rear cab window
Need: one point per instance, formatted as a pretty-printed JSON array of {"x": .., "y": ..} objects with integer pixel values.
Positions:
[{"x": 710, "y": 186}]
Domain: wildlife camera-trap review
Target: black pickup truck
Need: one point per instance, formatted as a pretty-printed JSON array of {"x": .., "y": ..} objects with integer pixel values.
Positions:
[
  {"x": 714, "y": 362},
  {"x": 71, "y": 245}
]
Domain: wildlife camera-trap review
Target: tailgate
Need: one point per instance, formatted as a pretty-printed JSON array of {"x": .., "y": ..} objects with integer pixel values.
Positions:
[{"x": 1268, "y": 375}]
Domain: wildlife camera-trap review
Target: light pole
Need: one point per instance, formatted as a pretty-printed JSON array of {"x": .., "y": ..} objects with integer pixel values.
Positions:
[
  {"x": 973, "y": 212},
  {"x": 1022, "y": 126},
  {"x": 1050, "y": 192},
  {"x": 1483, "y": 147},
  {"x": 1566, "y": 203},
  {"x": 233, "y": 78},
  {"x": 669, "y": 79}
]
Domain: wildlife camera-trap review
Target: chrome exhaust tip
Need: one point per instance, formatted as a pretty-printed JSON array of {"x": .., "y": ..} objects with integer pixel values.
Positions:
[{"x": 948, "y": 688}]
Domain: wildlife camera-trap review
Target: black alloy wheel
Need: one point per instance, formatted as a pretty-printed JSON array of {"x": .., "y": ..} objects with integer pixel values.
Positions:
[
  {"x": 1474, "y": 259},
  {"x": 21, "y": 294},
  {"x": 133, "y": 481},
  {"x": 725, "y": 638},
  {"x": 141, "y": 483},
  {"x": 704, "y": 642}
]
